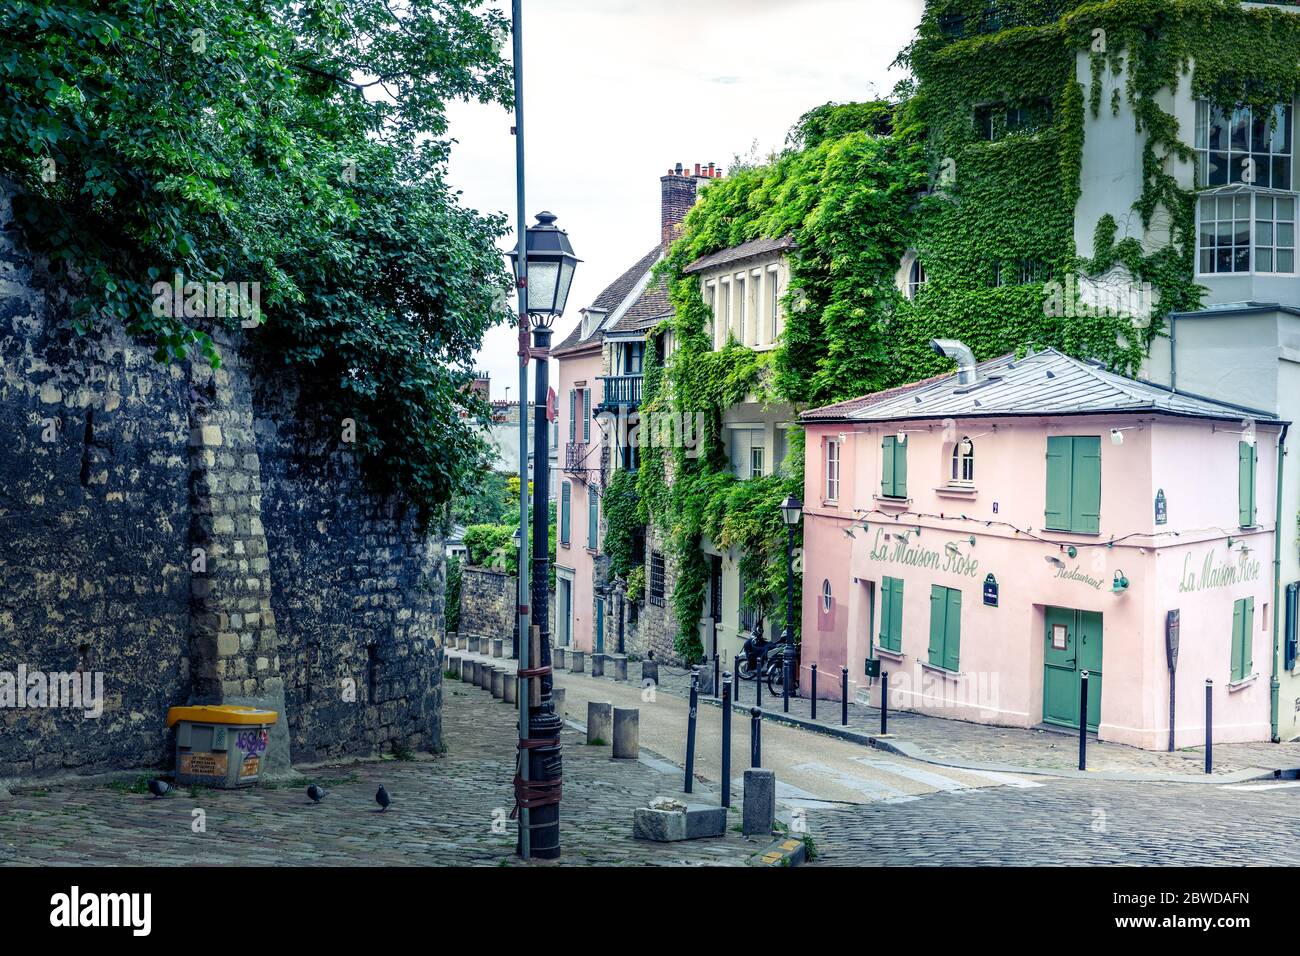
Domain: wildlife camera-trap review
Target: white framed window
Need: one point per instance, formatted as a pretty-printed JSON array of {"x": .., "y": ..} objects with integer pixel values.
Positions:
[
  {"x": 742, "y": 316},
  {"x": 756, "y": 461},
  {"x": 963, "y": 462},
  {"x": 1243, "y": 146},
  {"x": 710, "y": 295},
  {"x": 826, "y": 595},
  {"x": 774, "y": 302},
  {"x": 1242, "y": 231},
  {"x": 916, "y": 279},
  {"x": 745, "y": 441},
  {"x": 725, "y": 313},
  {"x": 832, "y": 469}
]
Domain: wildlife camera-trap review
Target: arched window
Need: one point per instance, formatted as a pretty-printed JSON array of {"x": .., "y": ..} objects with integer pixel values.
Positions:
[
  {"x": 826, "y": 596},
  {"x": 963, "y": 462},
  {"x": 916, "y": 279}
]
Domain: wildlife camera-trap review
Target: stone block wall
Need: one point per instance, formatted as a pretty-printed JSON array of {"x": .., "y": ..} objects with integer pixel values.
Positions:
[
  {"x": 191, "y": 536},
  {"x": 487, "y": 602},
  {"x": 657, "y": 624}
]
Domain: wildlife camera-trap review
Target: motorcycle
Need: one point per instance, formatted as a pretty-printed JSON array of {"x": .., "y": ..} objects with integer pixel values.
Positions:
[{"x": 761, "y": 659}]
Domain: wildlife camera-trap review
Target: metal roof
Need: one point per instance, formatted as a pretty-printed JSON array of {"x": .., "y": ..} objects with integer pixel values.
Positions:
[{"x": 1043, "y": 384}]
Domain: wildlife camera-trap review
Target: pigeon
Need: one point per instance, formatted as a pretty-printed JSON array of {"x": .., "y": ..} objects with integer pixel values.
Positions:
[
  {"x": 382, "y": 798},
  {"x": 316, "y": 793},
  {"x": 159, "y": 788}
]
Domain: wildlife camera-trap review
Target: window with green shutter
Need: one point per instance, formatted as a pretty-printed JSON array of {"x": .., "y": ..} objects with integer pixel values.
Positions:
[
  {"x": 1246, "y": 459},
  {"x": 593, "y": 518},
  {"x": 1243, "y": 628},
  {"x": 945, "y": 627},
  {"x": 566, "y": 495},
  {"x": 893, "y": 473},
  {"x": 573, "y": 414},
  {"x": 586, "y": 414},
  {"x": 891, "y": 614},
  {"x": 1074, "y": 483}
]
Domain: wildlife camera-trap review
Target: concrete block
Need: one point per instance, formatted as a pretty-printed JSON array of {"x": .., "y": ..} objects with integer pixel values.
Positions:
[
  {"x": 510, "y": 690},
  {"x": 661, "y": 826},
  {"x": 597, "y": 665},
  {"x": 627, "y": 733},
  {"x": 498, "y": 647},
  {"x": 667, "y": 821},
  {"x": 498, "y": 682},
  {"x": 558, "y": 658},
  {"x": 577, "y": 662},
  {"x": 453, "y": 665},
  {"x": 557, "y": 696},
  {"x": 618, "y": 663},
  {"x": 649, "y": 671},
  {"x": 759, "y": 814},
  {"x": 600, "y": 721}
]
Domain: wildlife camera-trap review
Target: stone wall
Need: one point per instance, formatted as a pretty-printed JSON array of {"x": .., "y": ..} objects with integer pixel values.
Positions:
[
  {"x": 487, "y": 602},
  {"x": 193, "y": 536},
  {"x": 657, "y": 623}
]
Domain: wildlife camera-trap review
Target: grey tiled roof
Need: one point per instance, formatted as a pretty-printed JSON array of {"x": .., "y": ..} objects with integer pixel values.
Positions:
[
  {"x": 1045, "y": 383},
  {"x": 746, "y": 250},
  {"x": 609, "y": 300},
  {"x": 647, "y": 311}
]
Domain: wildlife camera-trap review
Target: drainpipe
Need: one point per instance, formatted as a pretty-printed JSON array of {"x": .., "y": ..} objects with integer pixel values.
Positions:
[
  {"x": 1173, "y": 353},
  {"x": 1277, "y": 583},
  {"x": 961, "y": 354}
]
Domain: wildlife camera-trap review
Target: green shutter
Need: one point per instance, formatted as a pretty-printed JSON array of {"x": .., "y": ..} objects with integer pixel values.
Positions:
[
  {"x": 573, "y": 414},
  {"x": 1085, "y": 486},
  {"x": 586, "y": 414},
  {"x": 1238, "y": 619},
  {"x": 1247, "y": 637},
  {"x": 952, "y": 630},
  {"x": 565, "y": 497},
  {"x": 1246, "y": 456},
  {"x": 938, "y": 619},
  {"x": 896, "y": 615},
  {"x": 887, "y": 449},
  {"x": 593, "y": 517},
  {"x": 900, "y": 470},
  {"x": 1060, "y": 460},
  {"x": 891, "y": 614}
]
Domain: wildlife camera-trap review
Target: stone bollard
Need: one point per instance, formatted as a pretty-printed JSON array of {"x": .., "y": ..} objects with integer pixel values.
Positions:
[
  {"x": 557, "y": 697},
  {"x": 600, "y": 722},
  {"x": 618, "y": 663},
  {"x": 498, "y": 682},
  {"x": 577, "y": 662},
  {"x": 473, "y": 643},
  {"x": 510, "y": 690},
  {"x": 485, "y": 676},
  {"x": 462, "y": 642},
  {"x": 649, "y": 671},
  {"x": 452, "y": 666},
  {"x": 467, "y": 672},
  {"x": 498, "y": 649},
  {"x": 759, "y": 802},
  {"x": 627, "y": 733},
  {"x": 557, "y": 658},
  {"x": 597, "y": 665},
  {"x": 706, "y": 677}
]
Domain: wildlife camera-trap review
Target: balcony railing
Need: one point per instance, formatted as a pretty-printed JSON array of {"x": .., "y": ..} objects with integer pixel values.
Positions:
[
  {"x": 621, "y": 391},
  {"x": 578, "y": 457}
]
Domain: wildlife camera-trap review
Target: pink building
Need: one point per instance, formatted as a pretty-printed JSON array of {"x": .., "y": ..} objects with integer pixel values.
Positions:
[{"x": 989, "y": 535}]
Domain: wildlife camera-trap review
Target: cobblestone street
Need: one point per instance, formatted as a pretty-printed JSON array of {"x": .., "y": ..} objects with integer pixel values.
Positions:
[{"x": 442, "y": 814}]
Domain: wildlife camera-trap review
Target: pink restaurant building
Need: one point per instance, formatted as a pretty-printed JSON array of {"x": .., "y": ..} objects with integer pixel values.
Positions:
[{"x": 988, "y": 535}]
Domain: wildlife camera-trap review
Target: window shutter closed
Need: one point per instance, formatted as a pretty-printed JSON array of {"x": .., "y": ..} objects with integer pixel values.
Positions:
[
  {"x": 1059, "y": 462},
  {"x": 565, "y": 500},
  {"x": 952, "y": 630},
  {"x": 888, "y": 457},
  {"x": 593, "y": 518},
  {"x": 573, "y": 414},
  {"x": 891, "y": 614},
  {"x": 938, "y": 618},
  {"x": 1247, "y": 635},
  {"x": 1246, "y": 453},
  {"x": 1238, "y": 620},
  {"x": 1085, "y": 490},
  {"x": 896, "y": 615},
  {"x": 586, "y": 414}
]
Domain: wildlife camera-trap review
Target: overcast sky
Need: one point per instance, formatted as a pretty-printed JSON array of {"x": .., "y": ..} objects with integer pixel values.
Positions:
[{"x": 617, "y": 91}]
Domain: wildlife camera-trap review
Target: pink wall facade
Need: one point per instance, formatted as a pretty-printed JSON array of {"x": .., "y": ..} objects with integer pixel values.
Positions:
[
  {"x": 575, "y": 561},
  {"x": 1198, "y": 561}
]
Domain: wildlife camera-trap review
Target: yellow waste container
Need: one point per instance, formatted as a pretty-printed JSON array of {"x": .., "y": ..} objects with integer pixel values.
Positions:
[{"x": 220, "y": 745}]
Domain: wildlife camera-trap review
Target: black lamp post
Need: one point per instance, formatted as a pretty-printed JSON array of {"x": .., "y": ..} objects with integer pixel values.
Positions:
[
  {"x": 548, "y": 273},
  {"x": 791, "y": 511},
  {"x": 518, "y": 540}
]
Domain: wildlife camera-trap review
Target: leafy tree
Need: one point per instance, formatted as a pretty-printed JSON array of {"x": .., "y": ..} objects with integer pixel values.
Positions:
[{"x": 301, "y": 146}]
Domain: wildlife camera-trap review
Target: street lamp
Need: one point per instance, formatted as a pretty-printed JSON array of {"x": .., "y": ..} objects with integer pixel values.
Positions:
[
  {"x": 545, "y": 277},
  {"x": 791, "y": 511}
]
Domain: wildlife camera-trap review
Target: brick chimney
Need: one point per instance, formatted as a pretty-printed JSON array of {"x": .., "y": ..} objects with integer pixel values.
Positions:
[{"x": 677, "y": 190}]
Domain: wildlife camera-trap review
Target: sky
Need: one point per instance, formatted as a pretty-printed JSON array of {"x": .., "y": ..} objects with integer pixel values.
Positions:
[{"x": 618, "y": 91}]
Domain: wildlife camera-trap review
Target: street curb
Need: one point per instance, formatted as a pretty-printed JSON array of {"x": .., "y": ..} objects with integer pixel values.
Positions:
[
  {"x": 788, "y": 852},
  {"x": 913, "y": 752}
]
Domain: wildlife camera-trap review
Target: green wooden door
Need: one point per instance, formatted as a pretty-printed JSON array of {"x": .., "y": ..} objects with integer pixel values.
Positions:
[{"x": 1073, "y": 644}]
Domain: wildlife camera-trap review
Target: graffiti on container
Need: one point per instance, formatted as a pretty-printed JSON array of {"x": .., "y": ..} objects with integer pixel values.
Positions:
[{"x": 252, "y": 741}]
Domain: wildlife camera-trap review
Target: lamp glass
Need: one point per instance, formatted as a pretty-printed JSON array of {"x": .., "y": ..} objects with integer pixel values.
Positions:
[
  {"x": 562, "y": 288},
  {"x": 542, "y": 279},
  {"x": 791, "y": 510}
]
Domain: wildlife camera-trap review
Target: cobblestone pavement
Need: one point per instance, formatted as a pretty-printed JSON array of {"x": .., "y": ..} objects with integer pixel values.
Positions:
[
  {"x": 442, "y": 813},
  {"x": 962, "y": 742},
  {"x": 1068, "y": 822}
]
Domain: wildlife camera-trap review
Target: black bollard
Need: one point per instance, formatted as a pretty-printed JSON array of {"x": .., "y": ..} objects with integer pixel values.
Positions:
[
  {"x": 755, "y": 737},
  {"x": 844, "y": 696},
  {"x": 735, "y": 687},
  {"x": 758, "y": 682},
  {"x": 690, "y": 728},
  {"x": 814, "y": 690},
  {"x": 717, "y": 689},
  {"x": 884, "y": 703},
  {"x": 1209, "y": 726},
  {"x": 1083, "y": 720},
  {"x": 785, "y": 682},
  {"x": 726, "y": 740}
]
